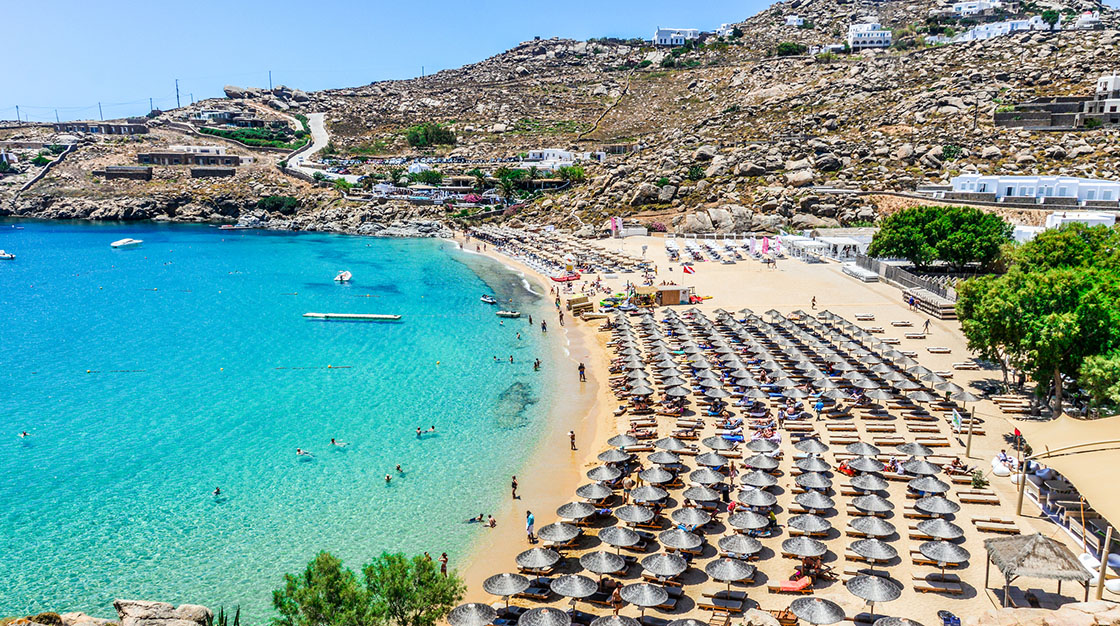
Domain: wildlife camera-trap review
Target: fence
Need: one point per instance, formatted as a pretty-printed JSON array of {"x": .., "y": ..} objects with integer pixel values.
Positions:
[{"x": 904, "y": 279}]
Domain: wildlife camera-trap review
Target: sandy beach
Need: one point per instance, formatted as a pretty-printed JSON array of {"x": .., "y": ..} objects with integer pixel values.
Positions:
[{"x": 553, "y": 472}]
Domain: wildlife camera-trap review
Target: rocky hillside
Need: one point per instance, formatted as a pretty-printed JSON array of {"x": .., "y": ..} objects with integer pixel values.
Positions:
[{"x": 731, "y": 137}]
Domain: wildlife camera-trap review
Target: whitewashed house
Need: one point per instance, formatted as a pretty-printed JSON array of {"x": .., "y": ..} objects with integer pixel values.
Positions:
[
  {"x": 674, "y": 36},
  {"x": 416, "y": 168},
  {"x": 7, "y": 157},
  {"x": 1023, "y": 234},
  {"x": 1037, "y": 188},
  {"x": 1107, "y": 97},
  {"x": 1088, "y": 20},
  {"x": 795, "y": 20},
  {"x": 869, "y": 34},
  {"x": 215, "y": 150},
  {"x": 998, "y": 29},
  {"x": 726, "y": 31},
  {"x": 975, "y": 7}
]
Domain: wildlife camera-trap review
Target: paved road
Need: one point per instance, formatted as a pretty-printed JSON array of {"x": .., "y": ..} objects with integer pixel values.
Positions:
[{"x": 319, "y": 138}]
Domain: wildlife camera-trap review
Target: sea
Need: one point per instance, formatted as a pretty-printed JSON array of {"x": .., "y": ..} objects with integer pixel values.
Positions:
[{"x": 148, "y": 377}]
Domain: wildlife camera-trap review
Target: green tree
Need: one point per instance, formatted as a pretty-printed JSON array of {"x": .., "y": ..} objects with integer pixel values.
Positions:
[
  {"x": 1100, "y": 377},
  {"x": 904, "y": 235},
  {"x": 282, "y": 204},
  {"x": 572, "y": 173},
  {"x": 1051, "y": 18},
  {"x": 533, "y": 173},
  {"x": 395, "y": 174},
  {"x": 1072, "y": 245},
  {"x": 325, "y": 594},
  {"x": 991, "y": 322},
  {"x": 508, "y": 189},
  {"x": 429, "y": 134},
  {"x": 479, "y": 179},
  {"x": 790, "y": 48},
  {"x": 427, "y": 177},
  {"x": 410, "y": 592},
  {"x": 958, "y": 236},
  {"x": 5, "y": 167}
]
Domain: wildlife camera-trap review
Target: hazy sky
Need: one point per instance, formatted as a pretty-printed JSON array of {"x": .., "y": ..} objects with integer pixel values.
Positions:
[{"x": 71, "y": 54}]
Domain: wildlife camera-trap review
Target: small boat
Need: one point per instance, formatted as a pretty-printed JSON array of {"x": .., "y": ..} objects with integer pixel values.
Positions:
[
  {"x": 354, "y": 317},
  {"x": 126, "y": 243},
  {"x": 509, "y": 314},
  {"x": 489, "y": 299},
  {"x": 6, "y": 256},
  {"x": 232, "y": 227},
  {"x": 566, "y": 278},
  {"x": 343, "y": 277}
]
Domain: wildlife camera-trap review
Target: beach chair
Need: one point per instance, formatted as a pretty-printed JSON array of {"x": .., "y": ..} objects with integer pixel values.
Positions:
[
  {"x": 802, "y": 585},
  {"x": 843, "y": 427},
  {"x": 909, "y": 512},
  {"x": 864, "y": 317},
  {"x": 902, "y": 323},
  {"x": 877, "y": 330},
  {"x": 995, "y": 525},
  {"x": 914, "y": 335},
  {"x": 932, "y": 584},
  {"x": 939, "y": 350},
  {"x": 880, "y": 428},
  {"x": 728, "y": 605},
  {"x": 978, "y": 496},
  {"x": 724, "y": 593},
  {"x": 785, "y": 617},
  {"x": 720, "y": 618},
  {"x": 920, "y": 559},
  {"x": 795, "y": 532},
  {"x": 966, "y": 365}
]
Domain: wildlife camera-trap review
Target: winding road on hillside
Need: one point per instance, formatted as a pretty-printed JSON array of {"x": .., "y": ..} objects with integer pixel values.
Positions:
[{"x": 319, "y": 139}]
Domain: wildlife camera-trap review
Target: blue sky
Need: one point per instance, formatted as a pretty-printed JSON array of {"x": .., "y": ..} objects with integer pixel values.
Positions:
[{"x": 72, "y": 54}]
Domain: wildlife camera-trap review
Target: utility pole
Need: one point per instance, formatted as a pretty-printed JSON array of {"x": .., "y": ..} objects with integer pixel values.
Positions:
[
  {"x": 192, "y": 97},
  {"x": 151, "y": 107},
  {"x": 56, "y": 116},
  {"x": 17, "y": 114},
  {"x": 421, "y": 71},
  {"x": 177, "y": 104},
  {"x": 270, "y": 80},
  {"x": 100, "y": 112}
]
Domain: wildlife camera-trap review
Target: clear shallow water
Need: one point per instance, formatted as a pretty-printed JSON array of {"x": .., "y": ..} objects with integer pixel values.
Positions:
[{"x": 204, "y": 374}]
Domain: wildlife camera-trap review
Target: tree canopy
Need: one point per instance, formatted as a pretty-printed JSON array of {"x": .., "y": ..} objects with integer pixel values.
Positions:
[
  {"x": 1054, "y": 314},
  {"x": 959, "y": 236},
  {"x": 429, "y": 134},
  {"x": 396, "y": 590}
]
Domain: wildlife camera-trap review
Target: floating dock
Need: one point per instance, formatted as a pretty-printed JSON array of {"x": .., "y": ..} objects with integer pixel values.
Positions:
[{"x": 362, "y": 317}]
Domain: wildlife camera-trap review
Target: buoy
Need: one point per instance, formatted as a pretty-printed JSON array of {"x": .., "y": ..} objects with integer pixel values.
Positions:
[
  {"x": 221, "y": 369},
  {"x": 437, "y": 362},
  {"x": 87, "y": 371},
  {"x": 328, "y": 367}
]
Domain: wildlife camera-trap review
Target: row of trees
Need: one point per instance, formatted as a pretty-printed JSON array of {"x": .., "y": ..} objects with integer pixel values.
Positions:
[
  {"x": 429, "y": 134},
  {"x": 1055, "y": 314},
  {"x": 958, "y": 236},
  {"x": 393, "y": 589}
]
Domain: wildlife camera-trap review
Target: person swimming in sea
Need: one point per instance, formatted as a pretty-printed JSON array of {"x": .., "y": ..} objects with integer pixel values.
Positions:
[
  {"x": 341, "y": 444},
  {"x": 399, "y": 470},
  {"x": 432, "y": 429},
  {"x": 302, "y": 452},
  {"x": 388, "y": 479},
  {"x": 217, "y": 492},
  {"x": 24, "y": 434},
  {"x": 418, "y": 432}
]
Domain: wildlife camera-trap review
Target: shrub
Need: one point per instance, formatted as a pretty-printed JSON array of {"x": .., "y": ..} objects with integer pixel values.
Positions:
[
  {"x": 978, "y": 480},
  {"x": 661, "y": 182},
  {"x": 429, "y": 134},
  {"x": 427, "y": 177},
  {"x": 790, "y": 48},
  {"x": 573, "y": 173},
  {"x": 695, "y": 172},
  {"x": 950, "y": 152},
  {"x": 5, "y": 167},
  {"x": 319, "y": 177},
  {"x": 658, "y": 227},
  {"x": 645, "y": 63},
  {"x": 40, "y": 160},
  {"x": 281, "y": 204},
  {"x": 56, "y": 148},
  {"x": 668, "y": 62},
  {"x": 264, "y": 137},
  {"x": 1092, "y": 122}
]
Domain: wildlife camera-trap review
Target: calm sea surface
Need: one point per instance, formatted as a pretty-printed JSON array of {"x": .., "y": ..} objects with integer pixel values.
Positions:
[{"x": 149, "y": 376}]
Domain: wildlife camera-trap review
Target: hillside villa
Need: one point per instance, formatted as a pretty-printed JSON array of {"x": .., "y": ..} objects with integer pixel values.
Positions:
[
  {"x": 129, "y": 127},
  {"x": 674, "y": 36},
  {"x": 1067, "y": 112},
  {"x": 868, "y": 34},
  {"x": 1043, "y": 190},
  {"x": 795, "y": 20},
  {"x": 975, "y": 7},
  {"x": 1023, "y": 234}
]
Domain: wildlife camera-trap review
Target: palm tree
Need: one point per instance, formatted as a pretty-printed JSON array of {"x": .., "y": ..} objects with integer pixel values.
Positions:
[
  {"x": 508, "y": 189},
  {"x": 479, "y": 181}
]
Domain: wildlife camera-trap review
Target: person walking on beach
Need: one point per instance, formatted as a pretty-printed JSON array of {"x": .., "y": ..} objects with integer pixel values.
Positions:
[
  {"x": 529, "y": 520},
  {"x": 561, "y": 318},
  {"x": 819, "y": 406},
  {"x": 627, "y": 485},
  {"x": 443, "y": 564},
  {"x": 925, "y": 327},
  {"x": 813, "y": 304},
  {"x": 544, "y": 326},
  {"x": 572, "y": 438},
  {"x": 513, "y": 485},
  {"x": 616, "y": 600},
  {"x": 582, "y": 373}
]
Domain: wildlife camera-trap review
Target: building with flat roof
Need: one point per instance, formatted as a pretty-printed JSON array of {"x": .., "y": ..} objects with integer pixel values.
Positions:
[
  {"x": 1044, "y": 190},
  {"x": 174, "y": 157},
  {"x": 868, "y": 34},
  {"x": 103, "y": 128},
  {"x": 674, "y": 36}
]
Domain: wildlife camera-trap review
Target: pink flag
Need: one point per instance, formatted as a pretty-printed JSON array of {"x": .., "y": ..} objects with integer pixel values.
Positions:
[{"x": 765, "y": 245}]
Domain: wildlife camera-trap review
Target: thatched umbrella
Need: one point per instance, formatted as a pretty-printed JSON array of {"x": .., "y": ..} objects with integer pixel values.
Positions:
[
  {"x": 810, "y": 523},
  {"x": 748, "y": 520},
  {"x": 890, "y": 621},
  {"x": 705, "y": 476},
  {"x": 872, "y": 526},
  {"x": 1035, "y": 556},
  {"x": 944, "y": 553},
  {"x": 921, "y": 396},
  {"x": 602, "y": 563},
  {"x": 671, "y": 444},
  {"x": 719, "y": 443},
  {"x": 869, "y": 482},
  {"x": 873, "y": 589},
  {"x": 613, "y": 455},
  {"x": 811, "y": 445},
  {"x": 678, "y": 539},
  {"x": 648, "y": 493},
  {"x": 690, "y": 516},
  {"x": 915, "y": 449},
  {"x": 817, "y": 610},
  {"x": 729, "y": 570},
  {"x": 621, "y": 441},
  {"x": 762, "y": 445},
  {"x": 874, "y": 550},
  {"x": 656, "y": 476},
  {"x": 739, "y": 544},
  {"x": 860, "y": 448},
  {"x": 575, "y": 511},
  {"x": 633, "y": 514},
  {"x": 759, "y": 479},
  {"x": 813, "y": 480},
  {"x": 937, "y": 505},
  {"x": 662, "y": 457},
  {"x": 928, "y": 484},
  {"x": 615, "y": 620},
  {"x": 574, "y": 586},
  {"x": 711, "y": 459},
  {"x": 701, "y": 494},
  {"x": 644, "y": 595},
  {"x": 687, "y": 621},
  {"x": 538, "y": 558},
  {"x": 872, "y": 504},
  {"x": 814, "y": 500},
  {"x": 920, "y": 467},
  {"x": 940, "y": 529},
  {"x": 472, "y": 614},
  {"x": 558, "y": 532},
  {"x": 664, "y": 565},
  {"x": 594, "y": 491},
  {"x": 811, "y": 464},
  {"x": 544, "y": 616},
  {"x": 804, "y": 547},
  {"x": 604, "y": 473},
  {"x": 761, "y": 462},
  {"x": 619, "y": 537},
  {"x": 865, "y": 464},
  {"x": 505, "y": 585},
  {"x": 677, "y": 392}
]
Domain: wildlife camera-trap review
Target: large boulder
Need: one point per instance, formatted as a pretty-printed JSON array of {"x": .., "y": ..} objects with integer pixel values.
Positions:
[
  {"x": 236, "y": 93},
  {"x": 696, "y": 223},
  {"x": 800, "y": 178},
  {"x": 142, "y": 613},
  {"x": 81, "y": 619},
  {"x": 749, "y": 168},
  {"x": 722, "y": 220},
  {"x": 666, "y": 194},
  {"x": 828, "y": 162},
  {"x": 644, "y": 194},
  {"x": 705, "y": 153},
  {"x": 991, "y": 152}
]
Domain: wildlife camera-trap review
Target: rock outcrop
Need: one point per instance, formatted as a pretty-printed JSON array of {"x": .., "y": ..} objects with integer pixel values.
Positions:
[{"x": 142, "y": 613}]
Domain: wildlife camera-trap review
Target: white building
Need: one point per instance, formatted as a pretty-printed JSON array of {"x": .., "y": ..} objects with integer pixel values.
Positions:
[
  {"x": 1023, "y": 234},
  {"x": 1038, "y": 188},
  {"x": 215, "y": 150},
  {"x": 1088, "y": 20},
  {"x": 975, "y": 7},
  {"x": 674, "y": 36},
  {"x": 870, "y": 34},
  {"x": 795, "y": 20},
  {"x": 999, "y": 29},
  {"x": 726, "y": 31},
  {"x": 7, "y": 157},
  {"x": 416, "y": 168}
]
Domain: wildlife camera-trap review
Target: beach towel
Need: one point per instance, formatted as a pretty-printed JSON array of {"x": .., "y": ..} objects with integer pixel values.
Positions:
[{"x": 796, "y": 585}]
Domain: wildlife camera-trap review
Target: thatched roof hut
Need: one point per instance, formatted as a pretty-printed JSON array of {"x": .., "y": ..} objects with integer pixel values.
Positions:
[{"x": 1034, "y": 556}]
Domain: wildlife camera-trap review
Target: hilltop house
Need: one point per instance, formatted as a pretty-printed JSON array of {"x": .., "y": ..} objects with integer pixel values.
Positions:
[
  {"x": 674, "y": 36},
  {"x": 1023, "y": 234},
  {"x": 1088, "y": 20},
  {"x": 794, "y": 20},
  {"x": 726, "y": 31},
  {"x": 129, "y": 127},
  {"x": 998, "y": 29},
  {"x": 176, "y": 157},
  {"x": 551, "y": 159},
  {"x": 971, "y": 8},
  {"x": 1044, "y": 190},
  {"x": 417, "y": 167},
  {"x": 1068, "y": 112},
  {"x": 868, "y": 34}
]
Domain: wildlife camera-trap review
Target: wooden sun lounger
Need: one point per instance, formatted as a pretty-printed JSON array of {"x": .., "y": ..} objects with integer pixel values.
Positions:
[
  {"x": 843, "y": 427},
  {"x": 977, "y": 496},
  {"x": 918, "y": 416},
  {"x": 923, "y": 428},
  {"x": 723, "y": 593},
  {"x": 778, "y": 589},
  {"x": 888, "y": 440},
  {"x": 966, "y": 365},
  {"x": 909, "y": 512},
  {"x": 854, "y": 512},
  {"x": 794, "y": 532},
  {"x": 891, "y": 341},
  {"x": 933, "y": 585},
  {"x": 852, "y": 556},
  {"x": 795, "y": 427},
  {"x": 902, "y": 323},
  {"x": 864, "y": 317},
  {"x": 933, "y": 442},
  {"x": 878, "y": 330},
  {"x": 721, "y": 604},
  {"x": 841, "y": 440},
  {"x": 995, "y": 525},
  {"x": 915, "y": 335},
  {"x": 920, "y": 559},
  {"x": 876, "y": 414},
  {"x": 939, "y": 350}
]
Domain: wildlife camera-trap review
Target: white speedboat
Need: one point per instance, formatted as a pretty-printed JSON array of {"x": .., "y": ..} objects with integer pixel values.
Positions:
[
  {"x": 509, "y": 314},
  {"x": 126, "y": 243},
  {"x": 6, "y": 256},
  {"x": 343, "y": 277},
  {"x": 489, "y": 299}
]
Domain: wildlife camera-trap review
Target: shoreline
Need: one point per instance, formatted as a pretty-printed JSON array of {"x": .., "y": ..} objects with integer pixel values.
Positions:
[{"x": 547, "y": 479}]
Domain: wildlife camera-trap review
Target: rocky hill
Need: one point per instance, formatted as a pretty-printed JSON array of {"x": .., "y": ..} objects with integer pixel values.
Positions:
[{"x": 727, "y": 136}]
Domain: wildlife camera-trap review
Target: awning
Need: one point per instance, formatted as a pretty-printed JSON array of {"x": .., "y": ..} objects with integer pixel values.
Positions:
[{"x": 1087, "y": 466}]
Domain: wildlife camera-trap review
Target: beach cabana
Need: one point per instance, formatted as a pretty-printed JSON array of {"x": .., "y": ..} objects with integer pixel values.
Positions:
[{"x": 1033, "y": 556}]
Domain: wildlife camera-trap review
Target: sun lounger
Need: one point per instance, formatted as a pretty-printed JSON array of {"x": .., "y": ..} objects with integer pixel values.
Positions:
[
  {"x": 966, "y": 365},
  {"x": 785, "y": 617},
  {"x": 854, "y": 512},
  {"x": 909, "y": 512},
  {"x": 721, "y": 604},
  {"x": 535, "y": 593},
  {"x": 880, "y": 428},
  {"x": 925, "y": 585},
  {"x": 891, "y": 341},
  {"x": 723, "y": 593},
  {"x": 920, "y": 559},
  {"x": 915, "y": 335},
  {"x": 794, "y": 532},
  {"x": 852, "y": 556},
  {"x": 923, "y": 428},
  {"x": 995, "y": 525},
  {"x": 845, "y": 427},
  {"x": 877, "y": 330},
  {"x": 939, "y": 350},
  {"x": 865, "y": 317},
  {"x": 933, "y": 442},
  {"x": 977, "y": 496},
  {"x": 902, "y": 323},
  {"x": 841, "y": 440},
  {"x": 801, "y": 585}
]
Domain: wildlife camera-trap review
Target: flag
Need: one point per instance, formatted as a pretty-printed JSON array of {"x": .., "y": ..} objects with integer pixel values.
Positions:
[
  {"x": 956, "y": 421},
  {"x": 688, "y": 269},
  {"x": 1017, "y": 433}
]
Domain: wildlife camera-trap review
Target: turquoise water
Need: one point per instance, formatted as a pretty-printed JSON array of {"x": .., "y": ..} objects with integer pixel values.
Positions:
[{"x": 203, "y": 373}]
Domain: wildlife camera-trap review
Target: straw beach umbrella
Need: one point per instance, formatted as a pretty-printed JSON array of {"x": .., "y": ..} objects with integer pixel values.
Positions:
[
  {"x": 872, "y": 504},
  {"x": 711, "y": 459},
  {"x": 613, "y": 455},
  {"x": 558, "y": 532},
  {"x": 644, "y": 595},
  {"x": 811, "y": 445},
  {"x": 814, "y": 524},
  {"x": 814, "y": 500},
  {"x": 873, "y": 589},
  {"x": 615, "y": 620},
  {"x": 759, "y": 479},
  {"x": 915, "y": 449},
  {"x": 812, "y": 464},
  {"x": 817, "y": 610},
  {"x": 662, "y": 457},
  {"x": 701, "y": 494},
  {"x": 604, "y": 473},
  {"x": 633, "y": 514},
  {"x": 692, "y": 517},
  {"x": 619, "y": 537},
  {"x": 920, "y": 467},
  {"x": 622, "y": 441},
  {"x": 671, "y": 444},
  {"x": 705, "y": 476},
  {"x": 813, "y": 480},
  {"x": 718, "y": 443},
  {"x": 804, "y": 547},
  {"x": 729, "y": 570},
  {"x": 928, "y": 484},
  {"x": 944, "y": 553},
  {"x": 602, "y": 563},
  {"x": 648, "y": 493},
  {"x": 940, "y": 528},
  {"x": 865, "y": 464},
  {"x": 678, "y": 539},
  {"x": 575, "y": 511},
  {"x": 872, "y": 526},
  {"x": 747, "y": 520},
  {"x": 739, "y": 544},
  {"x": 505, "y": 585},
  {"x": 762, "y": 462},
  {"x": 756, "y": 497},
  {"x": 656, "y": 476},
  {"x": 869, "y": 482},
  {"x": 574, "y": 586},
  {"x": 762, "y": 445},
  {"x": 472, "y": 614},
  {"x": 538, "y": 558},
  {"x": 937, "y": 505},
  {"x": 860, "y": 448},
  {"x": 874, "y": 550},
  {"x": 664, "y": 565},
  {"x": 594, "y": 491},
  {"x": 544, "y": 616}
]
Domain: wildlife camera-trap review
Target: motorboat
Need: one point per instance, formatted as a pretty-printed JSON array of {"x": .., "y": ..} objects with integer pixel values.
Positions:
[
  {"x": 489, "y": 299},
  {"x": 232, "y": 227},
  {"x": 6, "y": 256},
  {"x": 126, "y": 243},
  {"x": 509, "y": 314},
  {"x": 343, "y": 277}
]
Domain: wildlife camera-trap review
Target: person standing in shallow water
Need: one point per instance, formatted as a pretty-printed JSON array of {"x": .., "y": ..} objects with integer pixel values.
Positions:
[
  {"x": 582, "y": 373},
  {"x": 513, "y": 485}
]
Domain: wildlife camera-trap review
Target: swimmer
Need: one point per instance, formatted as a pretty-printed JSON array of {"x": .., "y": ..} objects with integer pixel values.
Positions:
[
  {"x": 217, "y": 491},
  {"x": 399, "y": 470},
  {"x": 388, "y": 479},
  {"x": 490, "y": 521},
  {"x": 418, "y": 432},
  {"x": 24, "y": 434},
  {"x": 302, "y": 452},
  {"x": 432, "y": 429},
  {"x": 340, "y": 444}
]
